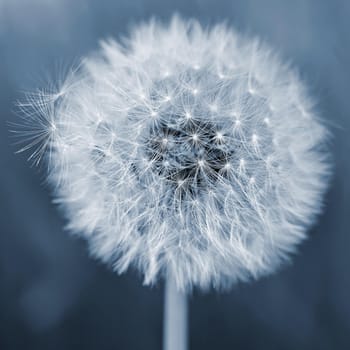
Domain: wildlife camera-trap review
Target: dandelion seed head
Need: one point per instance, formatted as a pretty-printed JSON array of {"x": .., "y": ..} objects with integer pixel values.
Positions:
[{"x": 215, "y": 176}]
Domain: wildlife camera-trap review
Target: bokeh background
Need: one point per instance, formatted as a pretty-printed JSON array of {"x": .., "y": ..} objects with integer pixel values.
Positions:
[{"x": 53, "y": 296}]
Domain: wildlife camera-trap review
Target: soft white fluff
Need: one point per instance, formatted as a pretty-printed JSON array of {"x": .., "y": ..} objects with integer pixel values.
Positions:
[{"x": 185, "y": 148}]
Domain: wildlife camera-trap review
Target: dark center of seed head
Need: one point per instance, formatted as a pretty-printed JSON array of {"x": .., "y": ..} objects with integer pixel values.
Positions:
[{"x": 189, "y": 154}]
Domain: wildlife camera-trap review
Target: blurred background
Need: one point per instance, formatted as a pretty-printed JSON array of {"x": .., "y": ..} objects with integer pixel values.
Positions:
[{"x": 53, "y": 296}]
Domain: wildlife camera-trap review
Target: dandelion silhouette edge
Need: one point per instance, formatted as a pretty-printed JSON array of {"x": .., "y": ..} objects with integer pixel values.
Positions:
[{"x": 184, "y": 148}]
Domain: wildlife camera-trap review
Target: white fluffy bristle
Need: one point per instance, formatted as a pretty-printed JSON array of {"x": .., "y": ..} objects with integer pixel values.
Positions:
[{"x": 188, "y": 149}]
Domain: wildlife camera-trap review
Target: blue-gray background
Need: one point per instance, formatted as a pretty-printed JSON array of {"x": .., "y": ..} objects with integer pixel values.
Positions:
[{"x": 53, "y": 296}]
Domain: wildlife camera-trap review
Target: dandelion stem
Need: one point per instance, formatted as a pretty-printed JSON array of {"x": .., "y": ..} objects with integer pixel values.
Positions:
[{"x": 175, "y": 317}]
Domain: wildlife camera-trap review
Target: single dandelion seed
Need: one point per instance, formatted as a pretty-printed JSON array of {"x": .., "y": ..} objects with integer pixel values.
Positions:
[{"x": 195, "y": 137}]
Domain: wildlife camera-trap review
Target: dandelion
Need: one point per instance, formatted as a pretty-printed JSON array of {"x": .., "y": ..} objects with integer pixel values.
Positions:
[{"x": 186, "y": 152}]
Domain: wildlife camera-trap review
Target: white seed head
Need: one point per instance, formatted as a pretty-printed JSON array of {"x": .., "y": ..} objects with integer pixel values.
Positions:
[{"x": 159, "y": 173}]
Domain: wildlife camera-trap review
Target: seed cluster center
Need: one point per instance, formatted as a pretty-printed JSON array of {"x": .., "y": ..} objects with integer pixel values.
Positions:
[{"x": 190, "y": 153}]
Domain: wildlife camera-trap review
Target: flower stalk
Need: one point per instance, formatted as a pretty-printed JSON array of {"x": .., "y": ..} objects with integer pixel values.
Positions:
[{"x": 175, "y": 316}]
